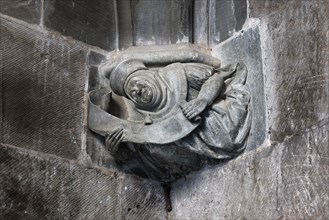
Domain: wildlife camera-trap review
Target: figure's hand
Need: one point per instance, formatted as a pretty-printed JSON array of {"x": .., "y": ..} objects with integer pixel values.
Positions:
[
  {"x": 112, "y": 141},
  {"x": 194, "y": 107}
]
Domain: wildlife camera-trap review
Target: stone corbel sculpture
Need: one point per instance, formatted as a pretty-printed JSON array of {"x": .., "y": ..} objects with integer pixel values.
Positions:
[{"x": 179, "y": 111}]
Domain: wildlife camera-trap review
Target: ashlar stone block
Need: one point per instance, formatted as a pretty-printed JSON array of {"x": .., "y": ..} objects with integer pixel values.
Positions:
[{"x": 43, "y": 82}]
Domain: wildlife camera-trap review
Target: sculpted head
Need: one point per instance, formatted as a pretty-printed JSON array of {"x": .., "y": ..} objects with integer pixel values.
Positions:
[{"x": 134, "y": 81}]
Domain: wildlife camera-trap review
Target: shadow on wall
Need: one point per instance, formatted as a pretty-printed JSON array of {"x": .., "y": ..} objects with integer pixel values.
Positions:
[
  {"x": 112, "y": 24},
  {"x": 43, "y": 92}
]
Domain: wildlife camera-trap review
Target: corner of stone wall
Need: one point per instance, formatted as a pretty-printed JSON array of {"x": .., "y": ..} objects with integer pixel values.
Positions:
[
  {"x": 286, "y": 175},
  {"x": 45, "y": 169}
]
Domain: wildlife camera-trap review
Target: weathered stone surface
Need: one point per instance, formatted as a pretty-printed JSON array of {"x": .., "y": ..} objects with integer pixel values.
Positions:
[
  {"x": 285, "y": 180},
  {"x": 97, "y": 152},
  {"x": 288, "y": 181},
  {"x": 125, "y": 23},
  {"x": 93, "y": 77},
  {"x": 43, "y": 81},
  {"x": 35, "y": 188},
  {"x": 161, "y": 22},
  {"x": 26, "y": 10},
  {"x": 1, "y": 86},
  {"x": 222, "y": 20},
  {"x": 225, "y": 17},
  {"x": 201, "y": 23},
  {"x": 265, "y": 7},
  {"x": 296, "y": 67},
  {"x": 142, "y": 200},
  {"x": 95, "y": 58},
  {"x": 240, "y": 13},
  {"x": 83, "y": 20},
  {"x": 246, "y": 47}
]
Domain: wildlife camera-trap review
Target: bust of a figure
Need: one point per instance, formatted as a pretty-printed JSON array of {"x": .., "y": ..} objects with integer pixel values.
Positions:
[{"x": 180, "y": 115}]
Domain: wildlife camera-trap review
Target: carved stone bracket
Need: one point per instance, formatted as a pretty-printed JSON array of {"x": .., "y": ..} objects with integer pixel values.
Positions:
[{"x": 172, "y": 108}]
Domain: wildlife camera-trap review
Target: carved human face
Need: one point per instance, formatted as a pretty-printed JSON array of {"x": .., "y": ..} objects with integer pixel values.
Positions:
[
  {"x": 140, "y": 90},
  {"x": 143, "y": 90}
]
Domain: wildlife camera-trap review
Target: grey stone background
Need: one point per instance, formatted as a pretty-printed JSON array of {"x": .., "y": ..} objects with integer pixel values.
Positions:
[
  {"x": 287, "y": 177},
  {"x": 49, "y": 53}
]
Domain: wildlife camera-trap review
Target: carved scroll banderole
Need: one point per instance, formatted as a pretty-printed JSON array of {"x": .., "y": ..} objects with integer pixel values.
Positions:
[{"x": 162, "y": 132}]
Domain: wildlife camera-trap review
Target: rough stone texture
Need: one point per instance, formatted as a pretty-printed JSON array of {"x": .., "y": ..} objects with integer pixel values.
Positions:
[
  {"x": 201, "y": 23},
  {"x": 138, "y": 22},
  {"x": 223, "y": 20},
  {"x": 95, "y": 59},
  {"x": 142, "y": 200},
  {"x": 43, "y": 81},
  {"x": 288, "y": 179},
  {"x": 240, "y": 13},
  {"x": 33, "y": 187},
  {"x": 285, "y": 181},
  {"x": 265, "y": 7},
  {"x": 125, "y": 23},
  {"x": 214, "y": 21},
  {"x": 83, "y": 20},
  {"x": 98, "y": 153},
  {"x": 26, "y": 10},
  {"x": 161, "y": 22},
  {"x": 225, "y": 17},
  {"x": 1, "y": 86},
  {"x": 296, "y": 67},
  {"x": 235, "y": 50}
]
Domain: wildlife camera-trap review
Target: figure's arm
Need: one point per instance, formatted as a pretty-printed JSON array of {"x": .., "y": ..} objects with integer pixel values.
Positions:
[
  {"x": 209, "y": 91},
  {"x": 213, "y": 86}
]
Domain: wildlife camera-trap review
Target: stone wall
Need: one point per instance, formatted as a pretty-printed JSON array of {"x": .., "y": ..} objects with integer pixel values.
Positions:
[
  {"x": 50, "y": 168},
  {"x": 38, "y": 186},
  {"x": 113, "y": 24},
  {"x": 287, "y": 177},
  {"x": 45, "y": 169}
]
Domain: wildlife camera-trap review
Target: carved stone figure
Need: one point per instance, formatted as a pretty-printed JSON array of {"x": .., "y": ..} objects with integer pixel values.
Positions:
[{"x": 177, "y": 117}]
